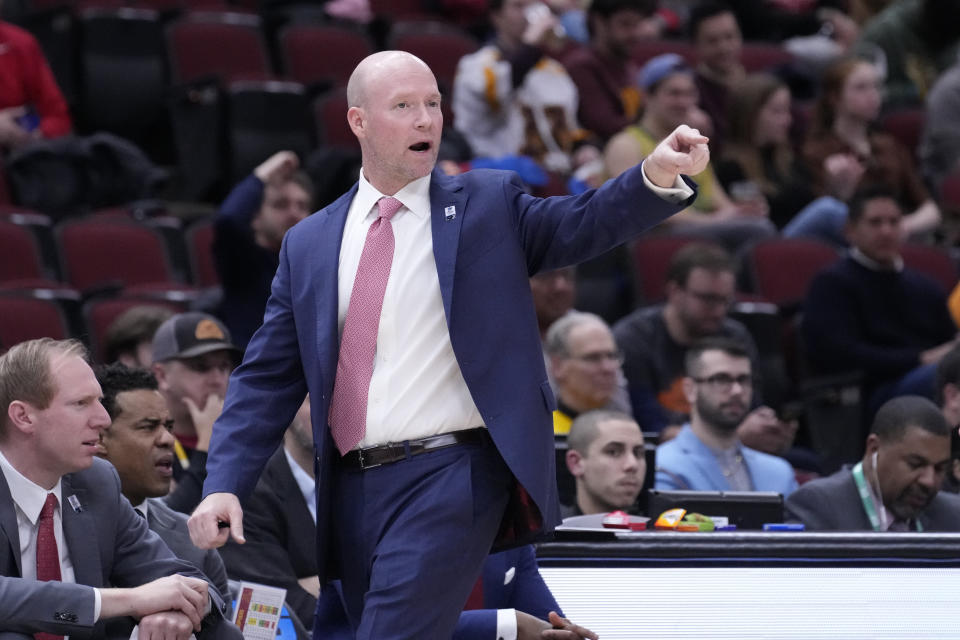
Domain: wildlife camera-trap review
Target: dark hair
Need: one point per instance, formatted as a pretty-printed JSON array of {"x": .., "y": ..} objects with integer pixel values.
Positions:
[
  {"x": 305, "y": 182},
  {"x": 744, "y": 105},
  {"x": 133, "y": 326},
  {"x": 704, "y": 11},
  {"x": 862, "y": 196},
  {"x": 730, "y": 346},
  {"x": 948, "y": 371},
  {"x": 116, "y": 378},
  {"x": 896, "y": 415},
  {"x": 583, "y": 430},
  {"x": 606, "y": 8},
  {"x": 698, "y": 255}
]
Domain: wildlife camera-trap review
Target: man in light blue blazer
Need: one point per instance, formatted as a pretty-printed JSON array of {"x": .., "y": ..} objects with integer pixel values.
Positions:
[
  {"x": 455, "y": 447},
  {"x": 707, "y": 455}
]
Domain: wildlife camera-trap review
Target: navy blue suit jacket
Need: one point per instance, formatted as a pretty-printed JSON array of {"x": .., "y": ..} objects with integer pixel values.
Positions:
[
  {"x": 484, "y": 255},
  {"x": 511, "y": 580}
]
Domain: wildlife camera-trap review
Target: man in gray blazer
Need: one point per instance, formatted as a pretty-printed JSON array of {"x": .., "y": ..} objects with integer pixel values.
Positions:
[
  {"x": 73, "y": 553},
  {"x": 139, "y": 444},
  {"x": 896, "y": 487}
]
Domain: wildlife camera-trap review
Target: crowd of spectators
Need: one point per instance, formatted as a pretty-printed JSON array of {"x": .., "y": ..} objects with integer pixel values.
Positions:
[{"x": 561, "y": 93}]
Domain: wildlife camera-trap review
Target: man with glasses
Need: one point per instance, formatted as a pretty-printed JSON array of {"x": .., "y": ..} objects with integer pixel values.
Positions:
[
  {"x": 699, "y": 289},
  {"x": 585, "y": 363},
  {"x": 707, "y": 455},
  {"x": 193, "y": 356}
]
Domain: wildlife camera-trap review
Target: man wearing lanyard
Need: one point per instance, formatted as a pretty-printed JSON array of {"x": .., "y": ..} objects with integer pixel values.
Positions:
[{"x": 896, "y": 487}]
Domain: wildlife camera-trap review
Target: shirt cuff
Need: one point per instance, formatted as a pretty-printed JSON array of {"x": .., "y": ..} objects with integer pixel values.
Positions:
[
  {"x": 679, "y": 193},
  {"x": 96, "y": 604},
  {"x": 506, "y": 624}
]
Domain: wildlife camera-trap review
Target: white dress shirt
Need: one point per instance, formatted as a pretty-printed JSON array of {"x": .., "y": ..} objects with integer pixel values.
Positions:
[
  {"x": 28, "y": 498},
  {"x": 306, "y": 483},
  {"x": 417, "y": 389}
]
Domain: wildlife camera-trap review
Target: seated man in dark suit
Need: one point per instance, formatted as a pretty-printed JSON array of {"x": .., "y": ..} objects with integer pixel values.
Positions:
[
  {"x": 67, "y": 535},
  {"x": 896, "y": 487},
  {"x": 280, "y": 550},
  {"x": 280, "y": 524},
  {"x": 139, "y": 444}
]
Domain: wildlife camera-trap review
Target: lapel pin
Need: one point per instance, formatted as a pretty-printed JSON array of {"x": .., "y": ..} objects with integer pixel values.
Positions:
[
  {"x": 450, "y": 212},
  {"x": 75, "y": 503}
]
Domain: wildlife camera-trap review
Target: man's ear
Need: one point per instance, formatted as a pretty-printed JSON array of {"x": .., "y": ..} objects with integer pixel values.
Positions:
[
  {"x": 690, "y": 390},
  {"x": 873, "y": 443},
  {"x": 575, "y": 462},
  {"x": 160, "y": 374},
  {"x": 357, "y": 120},
  {"x": 21, "y": 416},
  {"x": 103, "y": 450},
  {"x": 557, "y": 368}
]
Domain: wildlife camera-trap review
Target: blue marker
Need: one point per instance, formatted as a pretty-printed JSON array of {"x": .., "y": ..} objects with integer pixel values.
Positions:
[{"x": 783, "y": 526}]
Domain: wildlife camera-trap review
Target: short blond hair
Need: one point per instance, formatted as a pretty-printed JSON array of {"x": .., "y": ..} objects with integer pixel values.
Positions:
[{"x": 25, "y": 372}]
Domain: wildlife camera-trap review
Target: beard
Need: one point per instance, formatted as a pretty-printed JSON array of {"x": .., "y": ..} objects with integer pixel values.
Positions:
[{"x": 725, "y": 417}]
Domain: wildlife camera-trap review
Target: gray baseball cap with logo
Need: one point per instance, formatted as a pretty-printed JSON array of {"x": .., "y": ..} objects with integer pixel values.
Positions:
[{"x": 191, "y": 334}]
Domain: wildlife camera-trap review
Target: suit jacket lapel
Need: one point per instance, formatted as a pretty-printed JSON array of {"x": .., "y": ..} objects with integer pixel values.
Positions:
[
  {"x": 447, "y": 208},
  {"x": 324, "y": 269},
  {"x": 80, "y": 534},
  {"x": 8, "y": 522}
]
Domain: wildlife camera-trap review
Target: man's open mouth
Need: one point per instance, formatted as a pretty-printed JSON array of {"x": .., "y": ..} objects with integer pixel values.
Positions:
[{"x": 420, "y": 146}]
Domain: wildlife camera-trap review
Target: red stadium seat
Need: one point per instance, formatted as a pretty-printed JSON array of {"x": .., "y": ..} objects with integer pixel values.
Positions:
[
  {"x": 932, "y": 261},
  {"x": 200, "y": 249},
  {"x": 229, "y": 46},
  {"x": 651, "y": 259},
  {"x": 324, "y": 55},
  {"x": 99, "y": 314},
  {"x": 21, "y": 254},
  {"x": 330, "y": 115},
  {"x": 399, "y": 9},
  {"x": 103, "y": 251},
  {"x": 906, "y": 125},
  {"x": 764, "y": 56},
  {"x": 647, "y": 49},
  {"x": 781, "y": 269},
  {"x": 25, "y": 317}
]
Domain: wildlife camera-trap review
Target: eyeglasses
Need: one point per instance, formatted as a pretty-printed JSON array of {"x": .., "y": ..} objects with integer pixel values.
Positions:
[
  {"x": 599, "y": 357},
  {"x": 712, "y": 299},
  {"x": 723, "y": 382}
]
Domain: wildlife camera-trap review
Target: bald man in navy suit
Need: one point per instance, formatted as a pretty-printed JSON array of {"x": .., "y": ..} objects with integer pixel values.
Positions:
[{"x": 455, "y": 449}]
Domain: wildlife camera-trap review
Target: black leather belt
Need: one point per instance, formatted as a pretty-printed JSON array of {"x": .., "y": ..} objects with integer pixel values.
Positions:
[{"x": 393, "y": 452}]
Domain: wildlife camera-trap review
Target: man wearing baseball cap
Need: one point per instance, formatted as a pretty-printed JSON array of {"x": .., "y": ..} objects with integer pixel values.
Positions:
[{"x": 193, "y": 356}]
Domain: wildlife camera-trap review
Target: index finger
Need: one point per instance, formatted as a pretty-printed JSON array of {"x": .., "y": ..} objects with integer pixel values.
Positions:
[{"x": 691, "y": 136}]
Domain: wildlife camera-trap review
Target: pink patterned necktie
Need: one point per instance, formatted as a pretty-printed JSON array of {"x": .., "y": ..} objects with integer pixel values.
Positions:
[
  {"x": 358, "y": 346},
  {"x": 48, "y": 556}
]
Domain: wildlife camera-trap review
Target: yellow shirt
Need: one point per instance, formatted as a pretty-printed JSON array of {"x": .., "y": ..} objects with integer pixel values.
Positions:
[{"x": 561, "y": 423}]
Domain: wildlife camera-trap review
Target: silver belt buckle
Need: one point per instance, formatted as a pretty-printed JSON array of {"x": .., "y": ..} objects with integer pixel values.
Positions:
[{"x": 363, "y": 463}]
